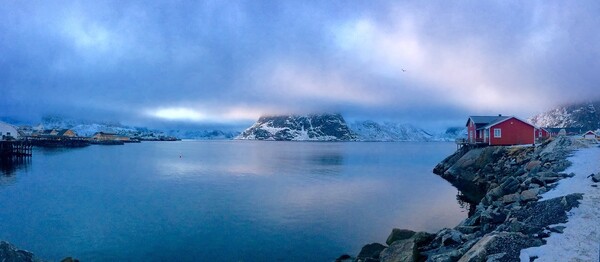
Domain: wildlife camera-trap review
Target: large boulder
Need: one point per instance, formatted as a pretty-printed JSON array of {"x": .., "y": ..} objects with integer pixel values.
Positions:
[
  {"x": 399, "y": 234},
  {"x": 401, "y": 251},
  {"x": 530, "y": 194},
  {"x": 532, "y": 165},
  {"x": 370, "y": 251},
  {"x": 406, "y": 249}
]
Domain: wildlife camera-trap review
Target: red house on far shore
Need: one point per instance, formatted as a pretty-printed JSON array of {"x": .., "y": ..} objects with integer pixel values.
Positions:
[{"x": 501, "y": 131}]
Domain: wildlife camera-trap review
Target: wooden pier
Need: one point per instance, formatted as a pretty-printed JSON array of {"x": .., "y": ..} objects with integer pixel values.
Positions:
[{"x": 15, "y": 148}]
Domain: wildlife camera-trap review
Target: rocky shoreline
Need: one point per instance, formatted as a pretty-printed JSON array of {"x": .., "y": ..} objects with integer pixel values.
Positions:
[{"x": 503, "y": 185}]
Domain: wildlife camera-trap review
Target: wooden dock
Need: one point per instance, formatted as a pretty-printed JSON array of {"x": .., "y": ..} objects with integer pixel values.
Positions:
[
  {"x": 58, "y": 141},
  {"x": 15, "y": 148}
]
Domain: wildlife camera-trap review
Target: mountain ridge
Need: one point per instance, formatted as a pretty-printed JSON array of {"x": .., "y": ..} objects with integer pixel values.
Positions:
[
  {"x": 312, "y": 127},
  {"x": 580, "y": 115}
]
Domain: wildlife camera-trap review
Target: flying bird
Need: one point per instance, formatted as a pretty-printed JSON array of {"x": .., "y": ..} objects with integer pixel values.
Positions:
[{"x": 403, "y": 70}]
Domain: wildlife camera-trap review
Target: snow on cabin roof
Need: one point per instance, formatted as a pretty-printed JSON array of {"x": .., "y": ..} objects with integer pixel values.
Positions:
[{"x": 484, "y": 120}]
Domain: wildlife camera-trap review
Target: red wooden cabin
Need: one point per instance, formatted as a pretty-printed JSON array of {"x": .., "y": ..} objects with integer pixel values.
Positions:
[{"x": 500, "y": 131}]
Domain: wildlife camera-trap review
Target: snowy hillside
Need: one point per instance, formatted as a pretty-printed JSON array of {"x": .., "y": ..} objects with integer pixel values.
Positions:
[
  {"x": 204, "y": 134},
  {"x": 388, "y": 131},
  {"x": 321, "y": 127},
  {"x": 586, "y": 116},
  {"x": 88, "y": 128}
]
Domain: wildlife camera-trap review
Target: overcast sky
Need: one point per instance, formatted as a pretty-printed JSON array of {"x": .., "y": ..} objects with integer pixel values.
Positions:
[{"x": 228, "y": 62}]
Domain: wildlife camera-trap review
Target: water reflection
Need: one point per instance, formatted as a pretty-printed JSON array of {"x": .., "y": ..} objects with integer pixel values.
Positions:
[
  {"x": 465, "y": 203},
  {"x": 10, "y": 165},
  {"x": 330, "y": 159},
  {"x": 266, "y": 159},
  {"x": 244, "y": 200}
]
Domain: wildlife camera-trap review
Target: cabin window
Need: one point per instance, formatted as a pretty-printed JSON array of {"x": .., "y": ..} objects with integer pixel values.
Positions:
[
  {"x": 471, "y": 135},
  {"x": 8, "y": 133},
  {"x": 497, "y": 133},
  {"x": 540, "y": 135}
]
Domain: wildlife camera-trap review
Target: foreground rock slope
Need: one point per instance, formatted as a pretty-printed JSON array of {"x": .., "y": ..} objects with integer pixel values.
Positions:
[{"x": 503, "y": 184}]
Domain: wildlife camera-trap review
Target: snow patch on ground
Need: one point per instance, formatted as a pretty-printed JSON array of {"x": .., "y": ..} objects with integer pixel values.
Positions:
[{"x": 581, "y": 238}]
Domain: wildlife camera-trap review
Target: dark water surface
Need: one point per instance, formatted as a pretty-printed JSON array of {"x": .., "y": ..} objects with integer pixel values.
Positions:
[{"x": 223, "y": 200}]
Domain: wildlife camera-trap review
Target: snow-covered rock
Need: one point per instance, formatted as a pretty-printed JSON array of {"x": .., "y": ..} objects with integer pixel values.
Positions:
[
  {"x": 314, "y": 127},
  {"x": 586, "y": 116}
]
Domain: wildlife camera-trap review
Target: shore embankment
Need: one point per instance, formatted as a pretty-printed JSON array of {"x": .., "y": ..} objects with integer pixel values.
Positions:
[{"x": 504, "y": 185}]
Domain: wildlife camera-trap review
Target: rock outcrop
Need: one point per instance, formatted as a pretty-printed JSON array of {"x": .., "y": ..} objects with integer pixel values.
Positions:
[
  {"x": 9, "y": 253},
  {"x": 323, "y": 127},
  {"x": 503, "y": 185}
]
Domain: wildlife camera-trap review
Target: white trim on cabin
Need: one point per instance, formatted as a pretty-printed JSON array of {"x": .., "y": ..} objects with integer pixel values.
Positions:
[{"x": 497, "y": 132}]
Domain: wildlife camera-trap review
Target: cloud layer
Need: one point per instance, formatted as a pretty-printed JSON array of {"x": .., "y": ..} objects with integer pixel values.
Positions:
[{"x": 216, "y": 62}]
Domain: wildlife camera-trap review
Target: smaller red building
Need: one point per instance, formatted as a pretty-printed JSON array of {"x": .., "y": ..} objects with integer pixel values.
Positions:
[
  {"x": 501, "y": 131},
  {"x": 541, "y": 134}
]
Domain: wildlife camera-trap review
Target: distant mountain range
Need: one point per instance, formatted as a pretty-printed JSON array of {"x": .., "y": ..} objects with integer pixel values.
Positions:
[
  {"x": 333, "y": 127},
  {"x": 314, "y": 127},
  {"x": 89, "y": 128},
  {"x": 582, "y": 115}
]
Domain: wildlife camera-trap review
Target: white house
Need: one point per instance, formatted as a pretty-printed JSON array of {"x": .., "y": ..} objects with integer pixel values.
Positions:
[
  {"x": 589, "y": 135},
  {"x": 8, "y": 131}
]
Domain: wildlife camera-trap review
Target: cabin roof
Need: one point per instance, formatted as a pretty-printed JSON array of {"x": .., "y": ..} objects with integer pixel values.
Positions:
[
  {"x": 485, "y": 120},
  {"x": 61, "y": 132},
  {"x": 504, "y": 119}
]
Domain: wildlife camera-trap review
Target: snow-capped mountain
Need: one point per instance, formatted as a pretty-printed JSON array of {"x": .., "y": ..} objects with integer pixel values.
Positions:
[
  {"x": 450, "y": 134},
  {"x": 314, "y": 127},
  {"x": 585, "y": 115},
  {"x": 389, "y": 131}
]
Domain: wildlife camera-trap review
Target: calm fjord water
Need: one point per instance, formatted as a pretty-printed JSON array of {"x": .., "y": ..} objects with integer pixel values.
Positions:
[{"x": 223, "y": 200}]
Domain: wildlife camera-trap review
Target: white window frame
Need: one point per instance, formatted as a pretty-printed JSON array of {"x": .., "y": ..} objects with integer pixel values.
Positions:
[{"x": 497, "y": 132}]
